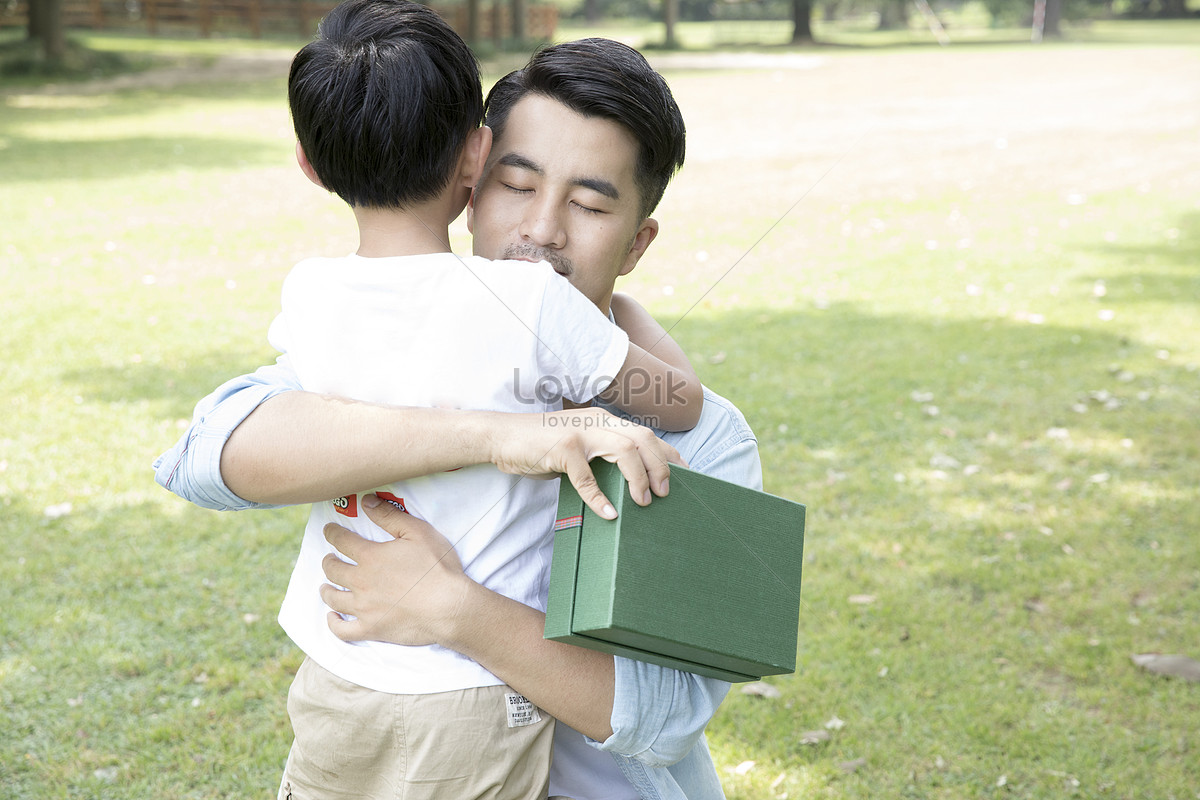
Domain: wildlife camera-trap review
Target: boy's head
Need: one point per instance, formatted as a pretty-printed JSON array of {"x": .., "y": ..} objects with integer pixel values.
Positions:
[
  {"x": 606, "y": 79},
  {"x": 383, "y": 100}
]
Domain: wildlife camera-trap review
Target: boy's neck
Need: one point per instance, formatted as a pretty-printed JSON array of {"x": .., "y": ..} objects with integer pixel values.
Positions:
[{"x": 384, "y": 233}]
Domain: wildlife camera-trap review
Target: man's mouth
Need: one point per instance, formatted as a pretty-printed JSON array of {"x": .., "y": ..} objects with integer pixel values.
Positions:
[{"x": 533, "y": 254}]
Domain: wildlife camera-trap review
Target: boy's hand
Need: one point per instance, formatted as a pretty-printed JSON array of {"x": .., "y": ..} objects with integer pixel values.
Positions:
[
  {"x": 563, "y": 442},
  {"x": 406, "y": 591}
]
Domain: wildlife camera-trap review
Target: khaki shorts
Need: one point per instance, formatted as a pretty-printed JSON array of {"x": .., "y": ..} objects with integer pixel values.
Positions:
[{"x": 358, "y": 744}]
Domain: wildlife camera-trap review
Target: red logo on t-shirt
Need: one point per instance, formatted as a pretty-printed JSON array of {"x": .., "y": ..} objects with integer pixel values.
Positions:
[
  {"x": 388, "y": 497},
  {"x": 346, "y": 506}
]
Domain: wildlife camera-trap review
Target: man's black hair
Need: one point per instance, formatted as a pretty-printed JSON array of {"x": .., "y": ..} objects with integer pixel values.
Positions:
[
  {"x": 603, "y": 78},
  {"x": 383, "y": 100}
]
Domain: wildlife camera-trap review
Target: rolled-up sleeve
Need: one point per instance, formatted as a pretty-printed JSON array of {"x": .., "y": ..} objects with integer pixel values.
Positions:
[
  {"x": 192, "y": 467},
  {"x": 659, "y": 713}
]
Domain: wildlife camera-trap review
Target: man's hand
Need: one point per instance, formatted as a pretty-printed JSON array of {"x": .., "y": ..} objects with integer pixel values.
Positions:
[
  {"x": 407, "y": 591},
  {"x": 413, "y": 591},
  {"x": 563, "y": 442}
]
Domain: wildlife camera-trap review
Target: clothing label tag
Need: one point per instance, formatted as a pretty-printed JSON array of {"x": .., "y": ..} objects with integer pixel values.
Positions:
[{"x": 521, "y": 712}]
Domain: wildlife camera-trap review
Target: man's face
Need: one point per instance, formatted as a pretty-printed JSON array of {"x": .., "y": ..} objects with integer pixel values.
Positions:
[{"x": 560, "y": 187}]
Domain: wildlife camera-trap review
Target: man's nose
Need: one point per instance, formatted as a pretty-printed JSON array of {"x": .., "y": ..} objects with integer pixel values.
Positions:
[{"x": 543, "y": 225}]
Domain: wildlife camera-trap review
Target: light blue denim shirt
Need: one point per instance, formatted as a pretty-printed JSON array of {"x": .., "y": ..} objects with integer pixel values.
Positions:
[{"x": 659, "y": 714}]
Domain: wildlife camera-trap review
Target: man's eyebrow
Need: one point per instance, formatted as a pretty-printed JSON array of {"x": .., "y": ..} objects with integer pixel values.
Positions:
[
  {"x": 520, "y": 162},
  {"x": 598, "y": 185}
]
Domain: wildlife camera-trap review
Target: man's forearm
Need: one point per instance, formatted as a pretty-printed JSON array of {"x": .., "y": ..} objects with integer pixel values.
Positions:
[
  {"x": 570, "y": 683},
  {"x": 300, "y": 447}
]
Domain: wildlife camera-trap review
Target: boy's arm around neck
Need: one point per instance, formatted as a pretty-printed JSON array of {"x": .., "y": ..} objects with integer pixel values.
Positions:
[{"x": 657, "y": 381}]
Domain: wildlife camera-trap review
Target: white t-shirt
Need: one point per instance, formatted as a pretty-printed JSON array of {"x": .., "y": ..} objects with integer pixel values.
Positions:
[{"x": 440, "y": 331}]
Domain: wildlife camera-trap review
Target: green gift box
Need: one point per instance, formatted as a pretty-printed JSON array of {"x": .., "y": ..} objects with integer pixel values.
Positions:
[{"x": 705, "y": 580}]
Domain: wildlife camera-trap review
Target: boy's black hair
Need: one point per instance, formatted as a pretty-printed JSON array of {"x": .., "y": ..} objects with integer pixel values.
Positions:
[
  {"x": 383, "y": 100},
  {"x": 603, "y": 78}
]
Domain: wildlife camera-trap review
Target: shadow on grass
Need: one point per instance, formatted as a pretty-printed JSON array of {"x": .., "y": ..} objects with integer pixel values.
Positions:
[
  {"x": 25, "y": 156},
  {"x": 30, "y": 159},
  {"x": 882, "y": 394},
  {"x": 25, "y": 60},
  {"x": 842, "y": 379},
  {"x": 836, "y": 376},
  {"x": 1178, "y": 282},
  {"x": 1001, "y": 545},
  {"x": 172, "y": 389}
]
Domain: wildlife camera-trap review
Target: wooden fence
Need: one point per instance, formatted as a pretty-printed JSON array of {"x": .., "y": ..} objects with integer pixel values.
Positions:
[{"x": 253, "y": 17}]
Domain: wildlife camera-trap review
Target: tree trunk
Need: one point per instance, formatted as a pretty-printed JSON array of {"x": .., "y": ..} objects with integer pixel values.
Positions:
[
  {"x": 670, "y": 17},
  {"x": 46, "y": 25},
  {"x": 591, "y": 11},
  {"x": 1051, "y": 29},
  {"x": 37, "y": 19},
  {"x": 1174, "y": 9},
  {"x": 802, "y": 19},
  {"x": 893, "y": 15},
  {"x": 473, "y": 27},
  {"x": 518, "y": 21}
]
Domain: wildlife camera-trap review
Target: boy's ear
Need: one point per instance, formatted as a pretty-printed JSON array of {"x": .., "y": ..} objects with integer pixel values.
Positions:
[
  {"x": 306, "y": 167},
  {"x": 641, "y": 240},
  {"x": 475, "y": 154}
]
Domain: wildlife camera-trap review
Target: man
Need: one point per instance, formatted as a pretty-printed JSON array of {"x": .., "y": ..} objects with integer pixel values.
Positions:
[{"x": 572, "y": 179}]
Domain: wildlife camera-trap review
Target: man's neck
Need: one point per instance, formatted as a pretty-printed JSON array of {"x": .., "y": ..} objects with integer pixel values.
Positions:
[{"x": 384, "y": 233}]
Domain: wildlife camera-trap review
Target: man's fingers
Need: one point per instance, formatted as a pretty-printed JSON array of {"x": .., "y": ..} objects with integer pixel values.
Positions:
[
  {"x": 646, "y": 465},
  {"x": 337, "y": 599},
  {"x": 348, "y": 630},
  {"x": 581, "y": 477},
  {"x": 643, "y": 458},
  {"x": 336, "y": 571},
  {"x": 341, "y": 601},
  {"x": 345, "y": 541},
  {"x": 657, "y": 457},
  {"x": 628, "y": 458},
  {"x": 388, "y": 516},
  {"x": 420, "y": 539}
]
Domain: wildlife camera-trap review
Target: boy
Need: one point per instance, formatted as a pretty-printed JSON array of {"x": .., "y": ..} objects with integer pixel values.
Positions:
[{"x": 387, "y": 108}]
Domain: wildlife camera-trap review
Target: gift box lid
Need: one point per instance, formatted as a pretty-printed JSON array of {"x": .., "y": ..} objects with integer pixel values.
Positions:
[{"x": 705, "y": 580}]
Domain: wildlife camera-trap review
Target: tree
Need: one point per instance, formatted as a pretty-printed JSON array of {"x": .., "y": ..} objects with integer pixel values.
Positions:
[
  {"x": 670, "y": 17},
  {"x": 474, "y": 30},
  {"x": 46, "y": 26},
  {"x": 1046, "y": 17},
  {"x": 802, "y": 19},
  {"x": 518, "y": 21},
  {"x": 893, "y": 15},
  {"x": 1051, "y": 26}
]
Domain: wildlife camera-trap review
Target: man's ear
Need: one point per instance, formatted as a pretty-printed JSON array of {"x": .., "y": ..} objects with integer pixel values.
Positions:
[
  {"x": 306, "y": 167},
  {"x": 641, "y": 240}
]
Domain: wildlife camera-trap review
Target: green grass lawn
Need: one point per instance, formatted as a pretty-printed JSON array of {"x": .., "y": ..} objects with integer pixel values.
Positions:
[{"x": 955, "y": 292}]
